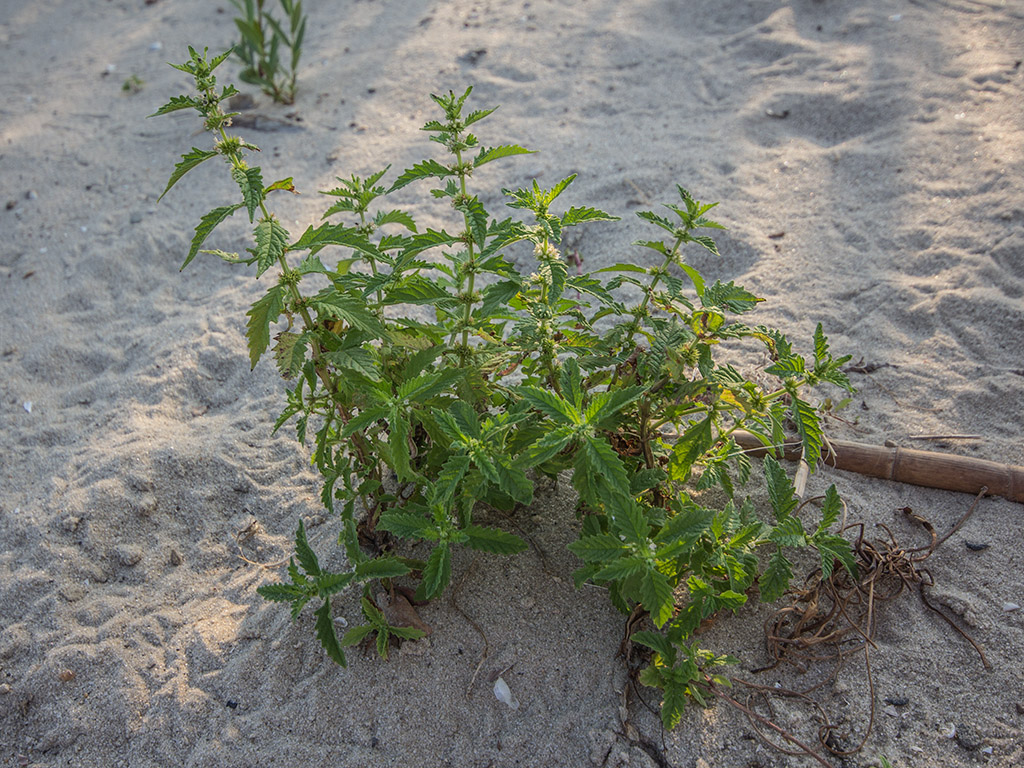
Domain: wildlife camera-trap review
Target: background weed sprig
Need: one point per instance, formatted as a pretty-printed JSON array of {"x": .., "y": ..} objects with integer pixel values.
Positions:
[{"x": 269, "y": 51}]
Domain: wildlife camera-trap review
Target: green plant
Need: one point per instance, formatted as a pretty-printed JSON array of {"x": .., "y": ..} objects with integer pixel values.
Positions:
[
  {"x": 133, "y": 84},
  {"x": 266, "y": 48},
  {"x": 434, "y": 380}
]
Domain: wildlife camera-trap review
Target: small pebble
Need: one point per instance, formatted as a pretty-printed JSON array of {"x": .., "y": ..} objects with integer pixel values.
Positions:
[
  {"x": 977, "y": 546},
  {"x": 31, "y": 195},
  {"x": 175, "y": 558},
  {"x": 135, "y": 217},
  {"x": 70, "y": 523},
  {"x": 341, "y": 621},
  {"x": 5, "y": 688},
  {"x": 1020, "y": 708},
  {"x": 987, "y": 750},
  {"x": 156, "y": 46},
  {"x": 968, "y": 737},
  {"x": 27, "y": 405},
  {"x": 890, "y": 711},
  {"x": 128, "y": 555},
  {"x": 1010, "y": 607},
  {"x": 66, "y": 675},
  {"x": 897, "y": 701},
  {"x": 232, "y": 704}
]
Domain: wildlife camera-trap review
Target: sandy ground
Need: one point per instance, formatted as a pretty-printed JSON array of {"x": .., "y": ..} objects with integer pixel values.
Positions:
[{"x": 868, "y": 154}]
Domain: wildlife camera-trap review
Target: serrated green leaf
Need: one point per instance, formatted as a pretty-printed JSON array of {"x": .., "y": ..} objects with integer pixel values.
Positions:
[
  {"x": 307, "y": 558},
  {"x": 654, "y": 218},
  {"x": 424, "y": 170},
  {"x": 188, "y": 162},
  {"x": 690, "y": 446},
  {"x": 682, "y": 531},
  {"x": 407, "y": 525},
  {"x": 448, "y": 479},
  {"x": 206, "y": 225},
  {"x": 395, "y": 217},
  {"x": 551, "y": 405},
  {"x": 831, "y": 548},
  {"x": 656, "y": 596},
  {"x": 513, "y": 481},
  {"x": 486, "y": 155},
  {"x": 476, "y": 217},
  {"x": 729, "y": 296},
  {"x": 775, "y": 579},
  {"x": 553, "y": 443},
  {"x": 820, "y": 346},
  {"x": 621, "y": 569},
  {"x": 290, "y": 354},
  {"x": 598, "y": 548},
  {"x": 312, "y": 265},
  {"x": 315, "y": 239},
  {"x": 380, "y": 568},
  {"x": 672, "y": 706},
  {"x": 646, "y": 479},
  {"x": 271, "y": 243},
  {"x": 351, "y": 309},
  {"x": 406, "y": 633},
  {"x": 473, "y": 117},
  {"x": 282, "y": 593},
  {"x": 630, "y": 523},
  {"x": 354, "y": 359},
  {"x": 356, "y": 635},
  {"x": 325, "y": 633},
  {"x": 602, "y": 459},
  {"x": 605, "y": 405},
  {"x": 707, "y": 242},
  {"x": 261, "y": 315},
  {"x": 808, "y": 427},
  {"x": 787, "y": 367},
  {"x": 426, "y": 240},
  {"x": 329, "y": 583},
  {"x": 695, "y": 277},
  {"x": 176, "y": 103},
  {"x": 830, "y": 509},
  {"x": 250, "y": 182},
  {"x": 493, "y": 540},
  {"x": 781, "y": 492},
  {"x": 656, "y": 642},
  {"x": 437, "y": 572},
  {"x": 575, "y": 216},
  {"x": 789, "y": 533}
]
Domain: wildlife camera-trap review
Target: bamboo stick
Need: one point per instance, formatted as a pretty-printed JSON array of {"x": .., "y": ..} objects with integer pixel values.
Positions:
[{"x": 909, "y": 465}]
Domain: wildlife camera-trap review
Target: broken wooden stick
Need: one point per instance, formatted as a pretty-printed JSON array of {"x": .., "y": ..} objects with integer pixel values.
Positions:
[{"x": 908, "y": 465}]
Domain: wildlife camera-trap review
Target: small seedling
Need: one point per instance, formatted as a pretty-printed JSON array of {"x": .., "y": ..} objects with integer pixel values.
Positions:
[
  {"x": 270, "y": 55},
  {"x": 434, "y": 380},
  {"x": 133, "y": 84}
]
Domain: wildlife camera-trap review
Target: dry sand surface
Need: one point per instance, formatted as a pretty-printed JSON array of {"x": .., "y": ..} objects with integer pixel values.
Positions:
[{"x": 868, "y": 155}]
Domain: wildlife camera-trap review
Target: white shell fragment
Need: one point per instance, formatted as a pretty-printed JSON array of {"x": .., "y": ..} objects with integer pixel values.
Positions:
[
  {"x": 1011, "y": 607},
  {"x": 501, "y": 690},
  {"x": 27, "y": 405}
]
